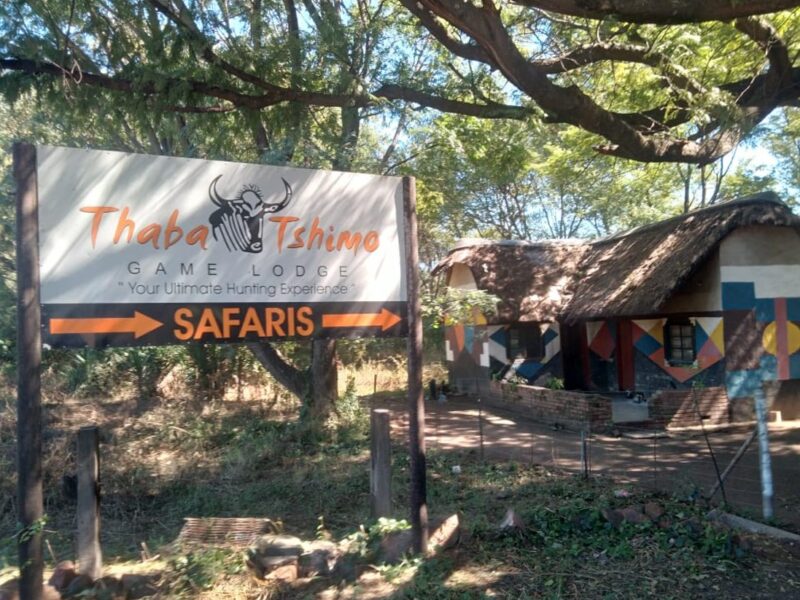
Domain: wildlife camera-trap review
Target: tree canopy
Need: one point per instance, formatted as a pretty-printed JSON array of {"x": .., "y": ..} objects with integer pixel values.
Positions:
[{"x": 678, "y": 81}]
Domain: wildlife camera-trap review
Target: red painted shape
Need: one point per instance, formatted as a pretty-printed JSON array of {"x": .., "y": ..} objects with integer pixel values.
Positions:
[
  {"x": 603, "y": 342},
  {"x": 625, "y": 370},
  {"x": 458, "y": 332},
  {"x": 782, "y": 339}
]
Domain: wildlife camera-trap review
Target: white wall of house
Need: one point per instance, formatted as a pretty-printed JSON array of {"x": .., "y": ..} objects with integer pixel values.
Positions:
[
  {"x": 702, "y": 293},
  {"x": 461, "y": 278},
  {"x": 767, "y": 256}
]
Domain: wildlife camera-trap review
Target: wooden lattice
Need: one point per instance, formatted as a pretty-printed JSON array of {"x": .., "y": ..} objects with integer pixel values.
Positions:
[{"x": 219, "y": 531}]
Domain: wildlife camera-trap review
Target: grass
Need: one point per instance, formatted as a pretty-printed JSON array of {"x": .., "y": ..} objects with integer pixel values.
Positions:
[{"x": 179, "y": 458}]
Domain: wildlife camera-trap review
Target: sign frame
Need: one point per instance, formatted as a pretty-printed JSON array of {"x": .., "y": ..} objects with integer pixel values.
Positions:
[{"x": 29, "y": 357}]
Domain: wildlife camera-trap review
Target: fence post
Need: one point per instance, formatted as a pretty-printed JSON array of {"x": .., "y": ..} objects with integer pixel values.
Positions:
[
  {"x": 584, "y": 456},
  {"x": 480, "y": 426},
  {"x": 764, "y": 454},
  {"x": 381, "y": 463},
  {"x": 90, "y": 557}
]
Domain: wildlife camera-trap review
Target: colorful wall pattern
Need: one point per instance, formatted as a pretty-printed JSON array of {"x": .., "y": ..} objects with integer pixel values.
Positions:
[
  {"x": 487, "y": 347},
  {"x": 764, "y": 338},
  {"x": 531, "y": 369},
  {"x": 601, "y": 337},
  {"x": 648, "y": 339}
]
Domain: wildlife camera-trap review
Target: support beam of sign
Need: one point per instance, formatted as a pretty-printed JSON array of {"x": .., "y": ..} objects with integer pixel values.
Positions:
[
  {"x": 416, "y": 406},
  {"x": 139, "y": 324},
  {"x": 29, "y": 359}
]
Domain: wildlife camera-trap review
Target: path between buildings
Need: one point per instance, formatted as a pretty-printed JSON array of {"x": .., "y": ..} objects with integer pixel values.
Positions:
[{"x": 678, "y": 463}]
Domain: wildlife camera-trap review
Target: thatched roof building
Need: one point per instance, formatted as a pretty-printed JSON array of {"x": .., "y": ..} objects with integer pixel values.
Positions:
[{"x": 628, "y": 274}]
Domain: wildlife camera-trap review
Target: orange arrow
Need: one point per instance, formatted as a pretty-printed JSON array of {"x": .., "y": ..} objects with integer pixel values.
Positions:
[
  {"x": 138, "y": 325},
  {"x": 384, "y": 320}
]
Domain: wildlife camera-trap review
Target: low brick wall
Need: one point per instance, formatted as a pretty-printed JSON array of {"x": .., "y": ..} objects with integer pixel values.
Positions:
[
  {"x": 571, "y": 410},
  {"x": 683, "y": 408}
]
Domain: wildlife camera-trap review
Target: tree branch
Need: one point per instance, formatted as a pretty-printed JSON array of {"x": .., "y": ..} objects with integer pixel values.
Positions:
[
  {"x": 292, "y": 378},
  {"x": 661, "y": 12},
  {"x": 438, "y": 31}
]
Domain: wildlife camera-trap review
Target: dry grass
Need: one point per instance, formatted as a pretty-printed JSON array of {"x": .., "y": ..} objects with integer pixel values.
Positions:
[{"x": 184, "y": 457}]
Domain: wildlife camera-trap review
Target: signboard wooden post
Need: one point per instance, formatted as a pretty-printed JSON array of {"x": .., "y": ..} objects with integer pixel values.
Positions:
[
  {"x": 416, "y": 404},
  {"x": 29, "y": 358},
  {"x": 149, "y": 250}
]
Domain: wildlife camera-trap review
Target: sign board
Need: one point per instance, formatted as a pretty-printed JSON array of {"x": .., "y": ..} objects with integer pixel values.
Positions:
[{"x": 138, "y": 249}]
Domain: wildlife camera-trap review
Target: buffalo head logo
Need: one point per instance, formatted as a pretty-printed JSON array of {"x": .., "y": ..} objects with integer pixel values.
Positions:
[{"x": 239, "y": 221}]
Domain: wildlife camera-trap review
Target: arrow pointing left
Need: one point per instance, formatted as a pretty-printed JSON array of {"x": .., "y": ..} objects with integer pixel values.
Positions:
[{"x": 139, "y": 325}]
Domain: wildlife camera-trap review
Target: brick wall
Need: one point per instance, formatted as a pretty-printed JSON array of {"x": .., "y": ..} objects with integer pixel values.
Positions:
[
  {"x": 677, "y": 408},
  {"x": 571, "y": 410}
]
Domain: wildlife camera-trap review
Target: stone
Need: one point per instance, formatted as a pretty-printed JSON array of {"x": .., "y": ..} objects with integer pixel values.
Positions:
[
  {"x": 665, "y": 523},
  {"x": 654, "y": 511},
  {"x": 279, "y": 545},
  {"x": 511, "y": 521},
  {"x": 109, "y": 587},
  {"x": 63, "y": 575},
  {"x": 634, "y": 515},
  {"x": 319, "y": 558},
  {"x": 136, "y": 586},
  {"x": 50, "y": 593},
  {"x": 445, "y": 535},
  {"x": 394, "y": 546},
  {"x": 10, "y": 590},
  {"x": 261, "y": 566},
  {"x": 613, "y": 516},
  {"x": 81, "y": 583},
  {"x": 285, "y": 573}
]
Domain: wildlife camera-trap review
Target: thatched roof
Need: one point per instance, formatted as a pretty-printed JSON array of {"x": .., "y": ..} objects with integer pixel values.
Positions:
[{"x": 628, "y": 274}]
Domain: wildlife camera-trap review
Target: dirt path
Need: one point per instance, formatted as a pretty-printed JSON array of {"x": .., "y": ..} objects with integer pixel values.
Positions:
[{"x": 680, "y": 463}]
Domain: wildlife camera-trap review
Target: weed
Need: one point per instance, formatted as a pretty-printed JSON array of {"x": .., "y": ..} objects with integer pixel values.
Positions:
[{"x": 200, "y": 570}]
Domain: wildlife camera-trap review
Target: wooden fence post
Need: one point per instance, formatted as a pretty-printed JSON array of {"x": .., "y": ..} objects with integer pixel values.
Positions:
[
  {"x": 90, "y": 557},
  {"x": 381, "y": 463},
  {"x": 29, "y": 394}
]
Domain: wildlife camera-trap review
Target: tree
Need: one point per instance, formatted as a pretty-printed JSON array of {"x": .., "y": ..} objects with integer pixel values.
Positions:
[
  {"x": 495, "y": 179},
  {"x": 341, "y": 49},
  {"x": 680, "y": 81}
]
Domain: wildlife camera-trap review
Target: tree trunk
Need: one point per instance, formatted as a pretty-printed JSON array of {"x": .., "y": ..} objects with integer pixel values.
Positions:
[
  {"x": 289, "y": 376},
  {"x": 318, "y": 392},
  {"x": 324, "y": 380}
]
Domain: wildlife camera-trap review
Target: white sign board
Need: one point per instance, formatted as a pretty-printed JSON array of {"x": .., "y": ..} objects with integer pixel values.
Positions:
[{"x": 180, "y": 238}]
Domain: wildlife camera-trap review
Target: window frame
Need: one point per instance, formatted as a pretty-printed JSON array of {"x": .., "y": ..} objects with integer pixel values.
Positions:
[
  {"x": 522, "y": 338},
  {"x": 686, "y": 343}
]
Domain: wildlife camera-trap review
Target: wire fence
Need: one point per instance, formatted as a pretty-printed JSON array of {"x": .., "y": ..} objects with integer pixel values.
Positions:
[{"x": 690, "y": 464}]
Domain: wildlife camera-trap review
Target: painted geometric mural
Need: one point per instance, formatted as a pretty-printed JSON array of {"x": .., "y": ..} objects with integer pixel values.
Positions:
[
  {"x": 487, "y": 347},
  {"x": 602, "y": 338},
  {"x": 531, "y": 368},
  {"x": 467, "y": 338},
  {"x": 766, "y": 335},
  {"x": 648, "y": 338}
]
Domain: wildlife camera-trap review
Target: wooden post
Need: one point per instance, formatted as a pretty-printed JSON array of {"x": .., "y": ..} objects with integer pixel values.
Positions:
[
  {"x": 90, "y": 557},
  {"x": 29, "y": 359},
  {"x": 584, "y": 456},
  {"x": 416, "y": 405},
  {"x": 381, "y": 463},
  {"x": 480, "y": 428}
]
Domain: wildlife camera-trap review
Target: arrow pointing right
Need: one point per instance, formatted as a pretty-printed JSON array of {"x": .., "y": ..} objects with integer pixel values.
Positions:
[
  {"x": 384, "y": 319},
  {"x": 139, "y": 324}
]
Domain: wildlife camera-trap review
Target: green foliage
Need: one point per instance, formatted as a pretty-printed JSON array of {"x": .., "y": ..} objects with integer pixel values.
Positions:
[
  {"x": 448, "y": 305},
  {"x": 555, "y": 383},
  {"x": 199, "y": 570},
  {"x": 349, "y": 423}
]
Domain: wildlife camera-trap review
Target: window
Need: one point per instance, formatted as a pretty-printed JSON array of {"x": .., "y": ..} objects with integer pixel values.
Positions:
[
  {"x": 679, "y": 342},
  {"x": 525, "y": 341}
]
